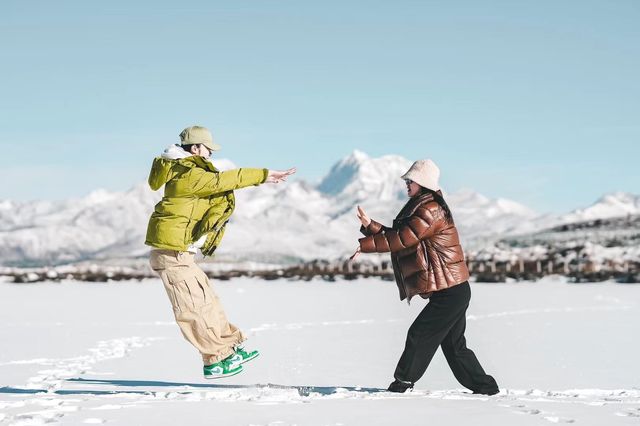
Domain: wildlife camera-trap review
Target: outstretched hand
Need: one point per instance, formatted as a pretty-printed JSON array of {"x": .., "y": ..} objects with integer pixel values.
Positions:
[
  {"x": 364, "y": 219},
  {"x": 277, "y": 176}
]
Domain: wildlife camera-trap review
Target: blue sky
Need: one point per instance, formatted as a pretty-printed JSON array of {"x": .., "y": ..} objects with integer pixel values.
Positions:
[{"x": 534, "y": 101}]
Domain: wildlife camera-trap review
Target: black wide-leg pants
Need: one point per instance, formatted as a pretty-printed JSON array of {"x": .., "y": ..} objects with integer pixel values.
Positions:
[{"x": 442, "y": 323}]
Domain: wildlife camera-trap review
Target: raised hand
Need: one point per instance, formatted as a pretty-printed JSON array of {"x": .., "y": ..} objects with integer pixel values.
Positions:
[
  {"x": 277, "y": 176},
  {"x": 354, "y": 255},
  {"x": 364, "y": 219}
]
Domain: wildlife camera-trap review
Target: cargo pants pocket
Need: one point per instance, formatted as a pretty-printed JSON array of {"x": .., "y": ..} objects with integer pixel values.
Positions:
[
  {"x": 213, "y": 319},
  {"x": 188, "y": 289}
]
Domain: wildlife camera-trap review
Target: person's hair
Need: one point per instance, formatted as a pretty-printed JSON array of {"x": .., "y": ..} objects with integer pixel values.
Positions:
[
  {"x": 440, "y": 200},
  {"x": 188, "y": 147}
]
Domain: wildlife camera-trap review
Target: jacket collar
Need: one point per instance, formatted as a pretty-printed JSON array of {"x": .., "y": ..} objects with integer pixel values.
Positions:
[
  {"x": 176, "y": 153},
  {"x": 412, "y": 205},
  {"x": 197, "y": 161}
]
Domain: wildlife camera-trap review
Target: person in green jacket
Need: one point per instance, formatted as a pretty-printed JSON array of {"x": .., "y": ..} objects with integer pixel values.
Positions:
[{"x": 192, "y": 215}]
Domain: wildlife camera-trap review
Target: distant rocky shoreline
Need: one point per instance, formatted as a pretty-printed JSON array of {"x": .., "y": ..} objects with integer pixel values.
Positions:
[{"x": 489, "y": 270}]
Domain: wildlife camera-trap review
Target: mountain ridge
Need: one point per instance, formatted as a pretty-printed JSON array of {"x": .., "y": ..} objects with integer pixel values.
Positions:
[{"x": 297, "y": 220}]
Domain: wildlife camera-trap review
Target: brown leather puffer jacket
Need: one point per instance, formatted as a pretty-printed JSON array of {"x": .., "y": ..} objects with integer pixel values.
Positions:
[{"x": 425, "y": 248}]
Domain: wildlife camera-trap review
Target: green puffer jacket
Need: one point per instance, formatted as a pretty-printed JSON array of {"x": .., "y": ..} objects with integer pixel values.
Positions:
[{"x": 198, "y": 200}]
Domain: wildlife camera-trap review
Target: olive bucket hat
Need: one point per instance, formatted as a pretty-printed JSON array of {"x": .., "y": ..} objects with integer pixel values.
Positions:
[{"x": 195, "y": 135}]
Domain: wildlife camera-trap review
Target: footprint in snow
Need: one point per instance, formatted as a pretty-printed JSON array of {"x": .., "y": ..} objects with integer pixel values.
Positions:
[
  {"x": 631, "y": 412},
  {"x": 523, "y": 409},
  {"x": 554, "y": 419}
]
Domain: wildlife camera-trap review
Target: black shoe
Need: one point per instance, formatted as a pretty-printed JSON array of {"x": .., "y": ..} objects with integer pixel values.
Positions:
[
  {"x": 399, "y": 386},
  {"x": 487, "y": 392}
]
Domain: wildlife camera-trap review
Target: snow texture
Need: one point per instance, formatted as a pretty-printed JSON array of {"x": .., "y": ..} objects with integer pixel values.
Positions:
[{"x": 111, "y": 353}]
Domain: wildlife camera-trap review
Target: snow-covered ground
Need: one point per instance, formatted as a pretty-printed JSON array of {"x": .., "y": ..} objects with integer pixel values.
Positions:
[{"x": 80, "y": 353}]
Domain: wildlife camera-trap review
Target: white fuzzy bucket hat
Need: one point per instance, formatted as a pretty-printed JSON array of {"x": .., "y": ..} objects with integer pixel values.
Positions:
[{"x": 425, "y": 173}]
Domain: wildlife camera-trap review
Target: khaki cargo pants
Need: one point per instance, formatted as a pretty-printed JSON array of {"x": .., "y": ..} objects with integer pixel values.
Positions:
[{"x": 196, "y": 307}]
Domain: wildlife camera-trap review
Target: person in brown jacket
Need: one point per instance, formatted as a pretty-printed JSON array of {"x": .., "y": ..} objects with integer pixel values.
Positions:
[{"x": 428, "y": 261}]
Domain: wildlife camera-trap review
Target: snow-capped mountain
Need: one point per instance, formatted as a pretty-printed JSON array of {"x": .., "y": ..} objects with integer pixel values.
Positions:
[
  {"x": 358, "y": 178},
  {"x": 272, "y": 223},
  {"x": 477, "y": 216},
  {"x": 609, "y": 206},
  {"x": 100, "y": 225},
  {"x": 606, "y": 233}
]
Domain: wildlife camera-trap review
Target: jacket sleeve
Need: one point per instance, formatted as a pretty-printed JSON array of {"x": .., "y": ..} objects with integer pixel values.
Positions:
[
  {"x": 210, "y": 183},
  {"x": 373, "y": 228},
  {"x": 160, "y": 173},
  {"x": 420, "y": 226}
]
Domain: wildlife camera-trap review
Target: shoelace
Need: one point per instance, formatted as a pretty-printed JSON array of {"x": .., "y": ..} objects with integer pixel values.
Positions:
[{"x": 225, "y": 363}]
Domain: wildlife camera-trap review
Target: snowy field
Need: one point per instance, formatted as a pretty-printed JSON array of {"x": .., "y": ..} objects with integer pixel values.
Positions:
[{"x": 81, "y": 353}]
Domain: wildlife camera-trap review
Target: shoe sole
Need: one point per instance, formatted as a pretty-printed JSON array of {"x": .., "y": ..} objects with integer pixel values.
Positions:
[
  {"x": 490, "y": 393},
  {"x": 400, "y": 391},
  {"x": 223, "y": 376}
]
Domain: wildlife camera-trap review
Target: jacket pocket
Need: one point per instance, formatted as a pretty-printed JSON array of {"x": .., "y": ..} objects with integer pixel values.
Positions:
[
  {"x": 421, "y": 256},
  {"x": 413, "y": 260}
]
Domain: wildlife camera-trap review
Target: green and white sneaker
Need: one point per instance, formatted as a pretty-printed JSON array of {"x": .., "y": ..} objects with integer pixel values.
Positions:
[
  {"x": 241, "y": 356},
  {"x": 220, "y": 369}
]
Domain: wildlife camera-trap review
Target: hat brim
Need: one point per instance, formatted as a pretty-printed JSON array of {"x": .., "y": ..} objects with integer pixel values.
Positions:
[{"x": 416, "y": 178}]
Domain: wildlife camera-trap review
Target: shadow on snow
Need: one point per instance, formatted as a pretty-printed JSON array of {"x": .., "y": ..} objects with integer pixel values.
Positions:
[{"x": 302, "y": 390}]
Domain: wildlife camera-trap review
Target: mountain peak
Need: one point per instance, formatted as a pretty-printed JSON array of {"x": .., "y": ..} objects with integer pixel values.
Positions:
[
  {"x": 358, "y": 156},
  {"x": 99, "y": 196},
  {"x": 611, "y": 205},
  {"x": 342, "y": 173},
  {"x": 620, "y": 198},
  {"x": 467, "y": 196},
  {"x": 359, "y": 176}
]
